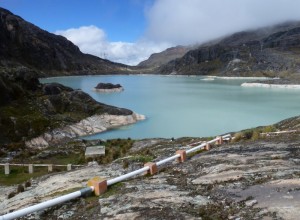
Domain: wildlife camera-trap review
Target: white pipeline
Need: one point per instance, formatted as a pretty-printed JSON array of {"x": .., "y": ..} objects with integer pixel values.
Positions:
[
  {"x": 126, "y": 176},
  {"x": 167, "y": 159},
  {"x": 46, "y": 204},
  {"x": 144, "y": 169},
  {"x": 204, "y": 144},
  {"x": 196, "y": 148},
  {"x": 84, "y": 191}
]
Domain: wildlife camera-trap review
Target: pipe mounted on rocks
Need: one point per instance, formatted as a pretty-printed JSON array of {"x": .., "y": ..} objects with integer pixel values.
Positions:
[
  {"x": 85, "y": 191},
  {"x": 47, "y": 204}
]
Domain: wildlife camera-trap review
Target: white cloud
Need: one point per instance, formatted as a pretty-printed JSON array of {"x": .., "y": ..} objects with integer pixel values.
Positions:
[
  {"x": 197, "y": 21},
  {"x": 92, "y": 40},
  {"x": 178, "y": 22}
]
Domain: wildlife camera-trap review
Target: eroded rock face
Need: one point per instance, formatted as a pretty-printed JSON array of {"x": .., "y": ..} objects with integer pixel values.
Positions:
[{"x": 91, "y": 125}]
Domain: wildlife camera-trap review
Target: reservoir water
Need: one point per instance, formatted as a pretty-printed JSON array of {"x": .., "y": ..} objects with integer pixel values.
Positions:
[{"x": 188, "y": 106}]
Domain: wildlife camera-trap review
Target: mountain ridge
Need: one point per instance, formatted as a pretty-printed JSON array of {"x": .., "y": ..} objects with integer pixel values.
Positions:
[
  {"x": 24, "y": 44},
  {"x": 158, "y": 59},
  {"x": 271, "y": 51}
]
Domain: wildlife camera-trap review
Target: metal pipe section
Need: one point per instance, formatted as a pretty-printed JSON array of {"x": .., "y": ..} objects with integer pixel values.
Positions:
[
  {"x": 126, "y": 176},
  {"x": 139, "y": 171},
  {"x": 167, "y": 159},
  {"x": 84, "y": 191},
  {"x": 46, "y": 204},
  {"x": 203, "y": 144},
  {"x": 196, "y": 148}
]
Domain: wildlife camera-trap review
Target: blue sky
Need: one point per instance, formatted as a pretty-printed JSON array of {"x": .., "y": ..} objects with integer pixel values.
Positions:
[
  {"x": 129, "y": 31},
  {"x": 122, "y": 20}
]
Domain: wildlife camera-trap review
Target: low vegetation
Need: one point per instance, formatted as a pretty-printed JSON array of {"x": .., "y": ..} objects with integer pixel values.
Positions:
[
  {"x": 253, "y": 134},
  {"x": 112, "y": 190},
  {"x": 19, "y": 175},
  {"x": 69, "y": 153},
  {"x": 115, "y": 149}
]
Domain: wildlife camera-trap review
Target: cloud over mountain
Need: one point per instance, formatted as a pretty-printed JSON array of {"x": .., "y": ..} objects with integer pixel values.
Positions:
[
  {"x": 177, "y": 22},
  {"x": 92, "y": 40},
  {"x": 197, "y": 21}
]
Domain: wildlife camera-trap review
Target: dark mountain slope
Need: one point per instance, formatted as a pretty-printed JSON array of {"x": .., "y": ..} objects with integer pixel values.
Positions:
[
  {"x": 272, "y": 51},
  {"x": 158, "y": 59},
  {"x": 24, "y": 44}
]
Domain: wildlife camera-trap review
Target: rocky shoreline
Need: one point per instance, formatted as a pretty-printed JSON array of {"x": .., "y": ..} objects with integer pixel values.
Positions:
[
  {"x": 89, "y": 126},
  {"x": 274, "y": 83},
  {"x": 265, "y": 85}
]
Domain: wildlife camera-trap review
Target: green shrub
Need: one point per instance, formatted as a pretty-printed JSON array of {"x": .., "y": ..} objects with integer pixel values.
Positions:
[
  {"x": 248, "y": 134},
  {"x": 141, "y": 158},
  {"x": 11, "y": 194},
  {"x": 125, "y": 164},
  {"x": 255, "y": 135},
  {"x": 20, "y": 188},
  {"x": 268, "y": 129},
  {"x": 237, "y": 137},
  {"x": 114, "y": 149},
  {"x": 27, "y": 183}
]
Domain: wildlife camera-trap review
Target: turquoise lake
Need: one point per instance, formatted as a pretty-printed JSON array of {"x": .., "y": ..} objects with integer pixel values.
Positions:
[{"x": 182, "y": 106}]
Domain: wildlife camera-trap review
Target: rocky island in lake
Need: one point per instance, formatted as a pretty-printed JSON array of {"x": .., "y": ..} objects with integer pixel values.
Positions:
[{"x": 108, "y": 87}]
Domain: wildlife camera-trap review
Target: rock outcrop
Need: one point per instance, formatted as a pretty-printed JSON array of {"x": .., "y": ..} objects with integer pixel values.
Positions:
[
  {"x": 108, "y": 87},
  {"x": 88, "y": 126},
  {"x": 159, "y": 59}
]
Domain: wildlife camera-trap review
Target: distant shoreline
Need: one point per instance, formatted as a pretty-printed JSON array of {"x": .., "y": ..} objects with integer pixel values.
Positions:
[
  {"x": 168, "y": 75},
  {"x": 239, "y": 77},
  {"x": 266, "y": 85}
]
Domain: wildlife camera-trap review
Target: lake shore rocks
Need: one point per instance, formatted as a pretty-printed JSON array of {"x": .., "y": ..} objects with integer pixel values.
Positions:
[
  {"x": 274, "y": 83},
  {"x": 108, "y": 87},
  {"x": 265, "y": 85},
  {"x": 88, "y": 126},
  {"x": 43, "y": 114}
]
